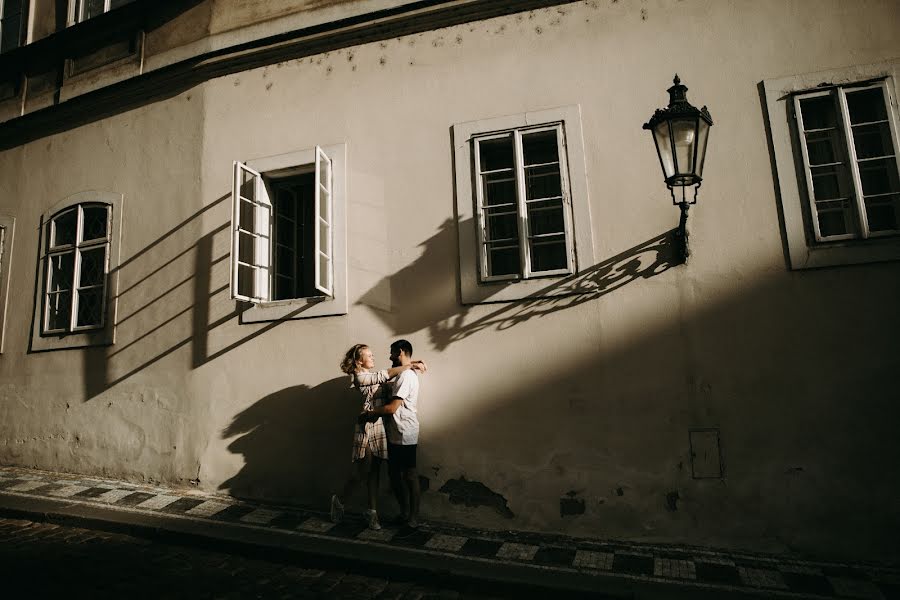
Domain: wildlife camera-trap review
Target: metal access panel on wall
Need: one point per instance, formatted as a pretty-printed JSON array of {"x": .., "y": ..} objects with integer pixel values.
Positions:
[{"x": 706, "y": 454}]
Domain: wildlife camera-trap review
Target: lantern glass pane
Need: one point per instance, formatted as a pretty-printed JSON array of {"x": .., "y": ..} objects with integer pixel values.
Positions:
[
  {"x": 702, "y": 136},
  {"x": 664, "y": 148},
  {"x": 683, "y": 137}
]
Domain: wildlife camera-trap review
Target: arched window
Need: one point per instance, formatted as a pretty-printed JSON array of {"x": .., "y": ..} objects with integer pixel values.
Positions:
[{"x": 76, "y": 268}]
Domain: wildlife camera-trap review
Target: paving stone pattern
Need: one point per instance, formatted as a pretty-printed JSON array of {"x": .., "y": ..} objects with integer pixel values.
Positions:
[{"x": 677, "y": 566}]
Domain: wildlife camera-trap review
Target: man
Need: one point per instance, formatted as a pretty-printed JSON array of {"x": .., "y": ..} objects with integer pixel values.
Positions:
[{"x": 401, "y": 422}]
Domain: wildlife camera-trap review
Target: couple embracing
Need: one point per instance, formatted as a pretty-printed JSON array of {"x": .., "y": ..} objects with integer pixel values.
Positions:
[{"x": 386, "y": 429}]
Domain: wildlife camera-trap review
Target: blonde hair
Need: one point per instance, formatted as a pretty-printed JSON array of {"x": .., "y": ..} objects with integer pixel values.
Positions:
[{"x": 350, "y": 362}]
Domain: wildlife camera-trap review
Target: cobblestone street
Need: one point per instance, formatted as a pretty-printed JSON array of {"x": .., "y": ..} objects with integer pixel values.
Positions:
[{"x": 50, "y": 560}]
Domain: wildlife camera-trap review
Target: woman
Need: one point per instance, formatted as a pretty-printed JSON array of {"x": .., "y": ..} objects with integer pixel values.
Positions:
[{"x": 369, "y": 439}]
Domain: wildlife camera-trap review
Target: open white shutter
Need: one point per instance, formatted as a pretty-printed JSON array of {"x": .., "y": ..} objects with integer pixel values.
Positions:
[
  {"x": 250, "y": 226},
  {"x": 323, "y": 259}
]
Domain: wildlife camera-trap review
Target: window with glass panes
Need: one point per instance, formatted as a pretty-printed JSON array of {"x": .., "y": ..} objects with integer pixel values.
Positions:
[
  {"x": 849, "y": 146},
  {"x": 12, "y": 21},
  {"x": 76, "y": 259},
  {"x": 82, "y": 10},
  {"x": 282, "y": 232},
  {"x": 522, "y": 203}
]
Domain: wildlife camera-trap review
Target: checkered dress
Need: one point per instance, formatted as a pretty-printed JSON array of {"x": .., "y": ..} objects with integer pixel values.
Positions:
[{"x": 370, "y": 435}]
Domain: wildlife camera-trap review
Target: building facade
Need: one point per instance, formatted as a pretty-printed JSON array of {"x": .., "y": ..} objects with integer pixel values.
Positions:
[{"x": 204, "y": 204}]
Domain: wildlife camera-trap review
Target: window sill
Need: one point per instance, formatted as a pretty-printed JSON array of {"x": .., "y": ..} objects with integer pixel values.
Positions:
[
  {"x": 852, "y": 252},
  {"x": 287, "y": 310}
]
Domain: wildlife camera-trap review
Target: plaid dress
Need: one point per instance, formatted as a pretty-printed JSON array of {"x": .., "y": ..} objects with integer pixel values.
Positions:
[{"x": 370, "y": 435}]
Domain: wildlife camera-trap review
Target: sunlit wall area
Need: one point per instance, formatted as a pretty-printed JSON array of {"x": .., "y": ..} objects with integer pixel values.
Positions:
[{"x": 739, "y": 399}]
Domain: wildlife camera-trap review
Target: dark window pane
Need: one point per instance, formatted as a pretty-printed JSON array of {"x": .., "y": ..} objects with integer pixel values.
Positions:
[
  {"x": 542, "y": 182},
  {"x": 92, "y": 8},
  {"x": 496, "y": 154},
  {"x": 503, "y": 261},
  {"x": 284, "y": 288},
  {"x": 62, "y": 270},
  {"x": 12, "y": 7},
  {"x": 117, "y": 3},
  {"x": 90, "y": 305},
  {"x": 59, "y": 309},
  {"x": 64, "y": 228},
  {"x": 836, "y": 218},
  {"x": 540, "y": 147},
  {"x": 879, "y": 176},
  {"x": 10, "y": 30},
  {"x": 545, "y": 217},
  {"x": 823, "y": 147},
  {"x": 285, "y": 203},
  {"x": 284, "y": 231},
  {"x": 819, "y": 112},
  {"x": 882, "y": 212},
  {"x": 95, "y": 222},
  {"x": 247, "y": 185},
  {"x": 93, "y": 267},
  {"x": 548, "y": 256},
  {"x": 830, "y": 182},
  {"x": 499, "y": 188},
  {"x": 866, "y": 106},
  {"x": 501, "y": 227},
  {"x": 284, "y": 261},
  {"x": 247, "y": 216},
  {"x": 246, "y": 246},
  {"x": 872, "y": 140},
  {"x": 245, "y": 277}
]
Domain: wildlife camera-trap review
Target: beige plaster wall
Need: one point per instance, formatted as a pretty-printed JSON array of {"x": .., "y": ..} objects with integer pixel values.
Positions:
[
  {"x": 588, "y": 397},
  {"x": 124, "y": 410}
]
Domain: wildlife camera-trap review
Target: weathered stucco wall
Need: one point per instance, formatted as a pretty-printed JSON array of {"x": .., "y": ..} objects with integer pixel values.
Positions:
[
  {"x": 538, "y": 406},
  {"x": 125, "y": 410}
]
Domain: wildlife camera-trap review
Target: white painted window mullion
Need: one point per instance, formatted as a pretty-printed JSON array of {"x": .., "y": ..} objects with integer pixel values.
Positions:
[
  {"x": 566, "y": 198},
  {"x": 76, "y": 270},
  {"x": 854, "y": 167},
  {"x": 524, "y": 246},
  {"x": 479, "y": 213}
]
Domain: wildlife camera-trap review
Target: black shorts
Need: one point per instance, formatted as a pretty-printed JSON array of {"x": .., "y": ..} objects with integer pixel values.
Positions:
[{"x": 402, "y": 457}]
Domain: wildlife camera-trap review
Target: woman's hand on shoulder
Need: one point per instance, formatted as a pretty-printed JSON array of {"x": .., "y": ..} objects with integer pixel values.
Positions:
[{"x": 419, "y": 365}]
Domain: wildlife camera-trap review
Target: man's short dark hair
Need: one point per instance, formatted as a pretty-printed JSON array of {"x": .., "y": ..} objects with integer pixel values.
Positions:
[{"x": 402, "y": 345}]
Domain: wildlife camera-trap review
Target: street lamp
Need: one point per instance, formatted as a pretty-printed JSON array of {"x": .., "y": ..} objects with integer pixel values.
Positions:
[{"x": 680, "y": 132}]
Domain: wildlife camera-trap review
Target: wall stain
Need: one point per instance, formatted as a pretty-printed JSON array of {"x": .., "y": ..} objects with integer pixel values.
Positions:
[
  {"x": 672, "y": 499},
  {"x": 570, "y": 506},
  {"x": 620, "y": 491},
  {"x": 475, "y": 493}
]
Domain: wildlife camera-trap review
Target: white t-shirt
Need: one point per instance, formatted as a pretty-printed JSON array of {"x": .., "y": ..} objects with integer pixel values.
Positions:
[{"x": 403, "y": 426}]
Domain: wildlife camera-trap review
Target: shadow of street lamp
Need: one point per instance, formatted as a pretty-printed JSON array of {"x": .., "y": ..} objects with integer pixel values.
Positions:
[{"x": 680, "y": 132}]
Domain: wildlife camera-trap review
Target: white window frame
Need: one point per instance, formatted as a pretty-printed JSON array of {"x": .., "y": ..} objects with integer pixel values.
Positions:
[
  {"x": 7, "y": 236},
  {"x": 521, "y": 204},
  {"x": 475, "y": 286},
  {"x": 76, "y": 11},
  {"x": 807, "y": 248},
  {"x": 80, "y": 336},
  {"x": 331, "y": 282}
]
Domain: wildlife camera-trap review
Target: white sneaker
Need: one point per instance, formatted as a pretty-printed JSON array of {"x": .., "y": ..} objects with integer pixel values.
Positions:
[
  {"x": 372, "y": 517},
  {"x": 337, "y": 509}
]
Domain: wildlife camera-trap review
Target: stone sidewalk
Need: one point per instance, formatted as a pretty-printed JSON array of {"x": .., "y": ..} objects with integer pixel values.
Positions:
[{"x": 536, "y": 562}]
